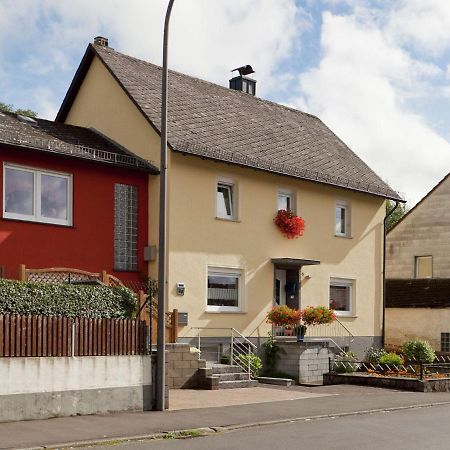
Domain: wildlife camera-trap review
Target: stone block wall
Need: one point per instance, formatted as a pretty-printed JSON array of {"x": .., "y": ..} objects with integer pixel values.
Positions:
[
  {"x": 182, "y": 369},
  {"x": 305, "y": 362}
]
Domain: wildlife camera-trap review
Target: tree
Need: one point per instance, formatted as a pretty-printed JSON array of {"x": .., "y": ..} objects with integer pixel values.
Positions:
[
  {"x": 395, "y": 217},
  {"x": 23, "y": 112}
]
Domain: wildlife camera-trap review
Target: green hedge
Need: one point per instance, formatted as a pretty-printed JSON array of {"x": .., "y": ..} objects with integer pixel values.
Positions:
[{"x": 67, "y": 300}]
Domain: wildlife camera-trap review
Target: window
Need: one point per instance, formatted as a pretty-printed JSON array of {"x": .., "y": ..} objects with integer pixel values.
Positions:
[
  {"x": 225, "y": 200},
  {"x": 285, "y": 201},
  {"x": 224, "y": 290},
  {"x": 445, "y": 342},
  {"x": 37, "y": 195},
  {"x": 341, "y": 296},
  {"x": 125, "y": 227},
  {"x": 342, "y": 220},
  {"x": 424, "y": 267}
]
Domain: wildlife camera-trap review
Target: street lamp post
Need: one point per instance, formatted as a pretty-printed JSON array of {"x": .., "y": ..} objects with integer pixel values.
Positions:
[{"x": 162, "y": 254}]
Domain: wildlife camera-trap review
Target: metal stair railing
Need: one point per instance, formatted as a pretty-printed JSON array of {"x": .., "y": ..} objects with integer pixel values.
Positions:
[
  {"x": 334, "y": 331},
  {"x": 242, "y": 349}
]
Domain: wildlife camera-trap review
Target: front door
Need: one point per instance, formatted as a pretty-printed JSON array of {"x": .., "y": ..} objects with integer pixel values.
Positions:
[{"x": 287, "y": 287}]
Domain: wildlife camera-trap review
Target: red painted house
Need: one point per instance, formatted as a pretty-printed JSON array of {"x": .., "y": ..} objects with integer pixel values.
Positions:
[{"x": 70, "y": 198}]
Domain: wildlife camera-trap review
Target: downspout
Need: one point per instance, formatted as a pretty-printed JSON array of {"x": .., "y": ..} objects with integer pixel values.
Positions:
[{"x": 383, "y": 329}]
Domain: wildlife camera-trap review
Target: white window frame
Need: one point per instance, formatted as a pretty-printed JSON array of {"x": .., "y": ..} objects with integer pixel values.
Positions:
[
  {"x": 343, "y": 205},
  {"x": 344, "y": 282},
  {"x": 36, "y": 216},
  {"x": 231, "y": 185},
  {"x": 287, "y": 194},
  {"x": 226, "y": 271}
]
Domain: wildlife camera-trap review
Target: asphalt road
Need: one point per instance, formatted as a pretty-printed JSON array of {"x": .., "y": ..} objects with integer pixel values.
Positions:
[{"x": 422, "y": 428}]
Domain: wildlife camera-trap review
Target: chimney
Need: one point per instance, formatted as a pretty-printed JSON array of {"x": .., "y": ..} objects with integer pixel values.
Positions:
[
  {"x": 100, "y": 40},
  {"x": 243, "y": 83}
]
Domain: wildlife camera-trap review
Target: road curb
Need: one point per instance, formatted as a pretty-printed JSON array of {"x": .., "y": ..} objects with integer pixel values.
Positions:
[{"x": 178, "y": 434}]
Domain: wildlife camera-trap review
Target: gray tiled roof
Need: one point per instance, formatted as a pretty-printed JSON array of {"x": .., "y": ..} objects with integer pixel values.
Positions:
[
  {"x": 219, "y": 123},
  {"x": 67, "y": 140}
]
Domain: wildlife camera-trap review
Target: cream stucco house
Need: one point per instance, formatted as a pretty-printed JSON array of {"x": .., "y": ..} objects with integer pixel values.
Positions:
[{"x": 234, "y": 160}]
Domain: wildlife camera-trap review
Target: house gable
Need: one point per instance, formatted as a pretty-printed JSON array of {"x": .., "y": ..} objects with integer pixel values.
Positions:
[
  {"x": 424, "y": 231},
  {"x": 101, "y": 103}
]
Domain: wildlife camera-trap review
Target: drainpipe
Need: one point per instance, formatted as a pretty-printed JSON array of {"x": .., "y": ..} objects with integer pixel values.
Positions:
[{"x": 383, "y": 329}]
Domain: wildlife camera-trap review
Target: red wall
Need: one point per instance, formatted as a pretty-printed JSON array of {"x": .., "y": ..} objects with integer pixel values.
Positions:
[{"x": 89, "y": 243}]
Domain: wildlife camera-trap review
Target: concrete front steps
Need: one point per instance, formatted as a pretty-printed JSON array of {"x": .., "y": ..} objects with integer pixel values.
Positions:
[{"x": 224, "y": 376}]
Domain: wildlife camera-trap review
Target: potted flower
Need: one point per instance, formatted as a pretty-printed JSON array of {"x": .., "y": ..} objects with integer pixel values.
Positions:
[
  {"x": 289, "y": 224},
  {"x": 283, "y": 316},
  {"x": 314, "y": 315}
]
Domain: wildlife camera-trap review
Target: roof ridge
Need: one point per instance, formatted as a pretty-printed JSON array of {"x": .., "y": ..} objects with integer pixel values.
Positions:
[{"x": 201, "y": 80}]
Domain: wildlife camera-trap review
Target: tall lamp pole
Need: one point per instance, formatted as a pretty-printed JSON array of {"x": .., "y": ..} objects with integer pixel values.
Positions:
[{"x": 162, "y": 254}]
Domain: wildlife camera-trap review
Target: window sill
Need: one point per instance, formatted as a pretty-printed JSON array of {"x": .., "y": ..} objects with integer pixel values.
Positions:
[
  {"x": 342, "y": 236},
  {"x": 37, "y": 222},
  {"x": 346, "y": 316},
  {"x": 228, "y": 220},
  {"x": 225, "y": 312}
]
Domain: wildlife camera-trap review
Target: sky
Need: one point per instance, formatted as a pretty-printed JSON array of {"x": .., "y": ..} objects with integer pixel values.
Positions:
[{"x": 377, "y": 72}]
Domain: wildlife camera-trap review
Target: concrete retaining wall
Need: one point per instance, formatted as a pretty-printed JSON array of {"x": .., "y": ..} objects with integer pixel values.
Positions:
[
  {"x": 39, "y": 388},
  {"x": 306, "y": 362},
  {"x": 407, "y": 384}
]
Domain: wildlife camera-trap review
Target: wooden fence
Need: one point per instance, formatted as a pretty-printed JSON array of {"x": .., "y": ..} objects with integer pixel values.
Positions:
[
  {"x": 151, "y": 317},
  {"x": 63, "y": 336}
]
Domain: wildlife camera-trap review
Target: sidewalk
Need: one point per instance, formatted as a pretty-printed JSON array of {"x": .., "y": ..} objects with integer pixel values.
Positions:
[{"x": 323, "y": 400}]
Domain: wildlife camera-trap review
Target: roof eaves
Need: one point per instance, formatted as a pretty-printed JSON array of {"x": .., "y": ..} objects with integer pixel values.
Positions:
[
  {"x": 283, "y": 169},
  {"x": 75, "y": 84}
]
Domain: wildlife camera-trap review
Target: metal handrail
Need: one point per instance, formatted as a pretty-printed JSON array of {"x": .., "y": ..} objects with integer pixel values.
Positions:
[
  {"x": 346, "y": 329},
  {"x": 239, "y": 345}
]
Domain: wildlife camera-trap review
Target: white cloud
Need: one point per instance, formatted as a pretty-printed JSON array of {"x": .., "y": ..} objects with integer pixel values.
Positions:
[
  {"x": 422, "y": 24},
  {"x": 207, "y": 39},
  {"x": 360, "y": 89}
]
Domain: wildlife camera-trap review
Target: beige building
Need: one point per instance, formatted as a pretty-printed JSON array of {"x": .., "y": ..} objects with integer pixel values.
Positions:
[
  {"x": 418, "y": 272},
  {"x": 419, "y": 245},
  {"x": 234, "y": 161}
]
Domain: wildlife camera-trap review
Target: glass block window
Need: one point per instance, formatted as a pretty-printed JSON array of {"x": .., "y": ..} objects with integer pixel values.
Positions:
[
  {"x": 125, "y": 227},
  {"x": 445, "y": 342}
]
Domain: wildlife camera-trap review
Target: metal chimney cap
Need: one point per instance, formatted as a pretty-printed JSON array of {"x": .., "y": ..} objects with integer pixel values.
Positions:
[{"x": 244, "y": 70}]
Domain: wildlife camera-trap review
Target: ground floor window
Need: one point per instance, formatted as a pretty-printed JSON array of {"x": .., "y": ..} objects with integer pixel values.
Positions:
[
  {"x": 424, "y": 267},
  {"x": 341, "y": 296},
  {"x": 445, "y": 342},
  {"x": 224, "y": 290},
  {"x": 37, "y": 195}
]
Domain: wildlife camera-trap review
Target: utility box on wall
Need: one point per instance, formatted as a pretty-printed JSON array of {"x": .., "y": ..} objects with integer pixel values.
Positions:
[{"x": 182, "y": 319}]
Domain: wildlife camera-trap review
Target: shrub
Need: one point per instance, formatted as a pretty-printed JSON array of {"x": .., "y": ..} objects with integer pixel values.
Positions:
[
  {"x": 419, "y": 350},
  {"x": 67, "y": 300},
  {"x": 344, "y": 363},
  {"x": 255, "y": 363},
  {"x": 282, "y": 315},
  {"x": 374, "y": 354},
  {"x": 318, "y": 315},
  {"x": 271, "y": 353},
  {"x": 391, "y": 359}
]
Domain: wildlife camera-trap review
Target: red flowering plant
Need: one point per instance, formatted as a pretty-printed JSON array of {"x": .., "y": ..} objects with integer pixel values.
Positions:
[
  {"x": 318, "y": 315},
  {"x": 283, "y": 316},
  {"x": 290, "y": 225}
]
